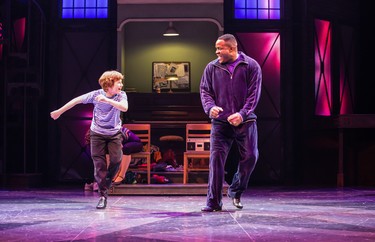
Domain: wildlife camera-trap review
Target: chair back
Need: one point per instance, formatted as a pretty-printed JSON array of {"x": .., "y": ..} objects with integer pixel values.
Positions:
[
  {"x": 198, "y": 137},
  {"x": 143, "y": 131}
]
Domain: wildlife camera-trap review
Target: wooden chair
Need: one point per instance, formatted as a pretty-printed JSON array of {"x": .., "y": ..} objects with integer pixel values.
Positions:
[
  {"x": 143, "y": 131},
  {"x": 197, "y": 147}
]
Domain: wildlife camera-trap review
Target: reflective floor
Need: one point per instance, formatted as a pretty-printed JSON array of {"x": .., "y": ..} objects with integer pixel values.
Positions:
[{"x": 269, "y": 214}]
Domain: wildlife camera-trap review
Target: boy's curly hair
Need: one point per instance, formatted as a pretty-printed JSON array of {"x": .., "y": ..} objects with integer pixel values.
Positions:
[{"x": 108, "y": 79}]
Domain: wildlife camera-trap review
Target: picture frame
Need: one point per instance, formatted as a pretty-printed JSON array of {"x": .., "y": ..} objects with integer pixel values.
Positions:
[{"x": 171, "y": 76}]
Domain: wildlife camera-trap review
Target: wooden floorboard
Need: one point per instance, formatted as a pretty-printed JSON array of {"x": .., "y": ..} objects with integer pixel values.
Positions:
[{"x": 161, "y": 189}]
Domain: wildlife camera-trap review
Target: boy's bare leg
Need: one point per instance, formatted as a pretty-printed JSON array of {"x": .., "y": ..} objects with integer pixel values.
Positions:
[{"x": 122, "y": 170}]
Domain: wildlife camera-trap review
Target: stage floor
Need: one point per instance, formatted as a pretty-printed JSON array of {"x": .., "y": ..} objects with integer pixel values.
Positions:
[{"x": 269, "y": 214}]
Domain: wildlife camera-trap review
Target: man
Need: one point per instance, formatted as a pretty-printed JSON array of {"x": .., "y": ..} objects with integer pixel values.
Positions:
[{"x": 230, "y": 89}]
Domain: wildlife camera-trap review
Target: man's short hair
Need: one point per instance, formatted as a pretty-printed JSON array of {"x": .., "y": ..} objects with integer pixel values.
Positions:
[{"x": 230, "y": 39}]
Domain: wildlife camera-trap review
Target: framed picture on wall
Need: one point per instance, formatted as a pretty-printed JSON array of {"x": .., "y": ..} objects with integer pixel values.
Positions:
[{"x": 171, "y": 76}]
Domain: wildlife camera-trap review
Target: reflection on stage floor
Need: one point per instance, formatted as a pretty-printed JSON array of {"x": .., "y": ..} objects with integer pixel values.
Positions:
[{"x": 269, "y": 214}]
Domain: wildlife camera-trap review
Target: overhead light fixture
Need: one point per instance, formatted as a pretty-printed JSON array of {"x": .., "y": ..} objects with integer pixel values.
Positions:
[{"x": 171, "y": 31}]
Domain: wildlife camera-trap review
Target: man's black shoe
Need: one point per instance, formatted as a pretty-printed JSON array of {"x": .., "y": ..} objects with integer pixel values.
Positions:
[
  {"x": 102, "y": 203},
  {"x": 237, "y": 203},
  {"x": 210, "y": 209}
]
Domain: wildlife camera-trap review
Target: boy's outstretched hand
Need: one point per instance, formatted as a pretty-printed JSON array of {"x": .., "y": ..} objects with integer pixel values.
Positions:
[{"x": 55, "y": 114}]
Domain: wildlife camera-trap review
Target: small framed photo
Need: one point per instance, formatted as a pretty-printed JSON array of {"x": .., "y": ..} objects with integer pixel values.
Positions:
[{"x": 171, "y": 76}]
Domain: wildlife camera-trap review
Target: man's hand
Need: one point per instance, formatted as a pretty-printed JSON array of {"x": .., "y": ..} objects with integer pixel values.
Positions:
[
  {"x": 214, "y": 111},
  {"x": 235, "y": 119}
]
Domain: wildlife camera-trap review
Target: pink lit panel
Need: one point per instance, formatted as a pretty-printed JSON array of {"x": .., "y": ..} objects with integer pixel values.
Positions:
[
  {"x": 345, "y": 101},
  {"x": 265, "y": 48},
  {"x": 19, "y": 32},
  {"x": 323, "y": 83}
]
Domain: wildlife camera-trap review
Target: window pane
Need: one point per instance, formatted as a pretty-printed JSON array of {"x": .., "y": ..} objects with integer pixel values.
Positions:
[
  {"x": 67, "y": 4},
  {"x": 79, "y": 3},
  {"x": 90, "y": 3},
  {"x": 240, "y": 14},
  {"x": 102, "y": 13},
  {"x": 257, "y": 9},
  {"x": 263, "y": 4},
  {"x": 251, "y": 3},
  {"x": 239, "y": 4},
  {"x": 263, "y": 14},
  {"x": 274, "y": 14},
  {"x": 84, "y": 9},
  {"x": 252, "y": 14},
  {"x": 91, "y": 13},
  {"x": 79, "y": 13},
  {"x": 67, "y": 13},
  {"x": 274, "y": 3},
  {"x": 103, "y": 3}
]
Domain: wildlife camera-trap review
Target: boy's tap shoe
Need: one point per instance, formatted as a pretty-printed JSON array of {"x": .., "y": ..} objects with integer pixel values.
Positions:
[{"x": 102, "y": 203}]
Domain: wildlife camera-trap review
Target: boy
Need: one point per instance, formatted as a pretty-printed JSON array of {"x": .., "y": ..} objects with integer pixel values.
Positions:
[{"x": 105, "y": 129}]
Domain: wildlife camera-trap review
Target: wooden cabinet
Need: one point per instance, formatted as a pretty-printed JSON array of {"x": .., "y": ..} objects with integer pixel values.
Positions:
[
  {"x": 197, "y": 154},
  {"x": 195, "y": 161},
  {"x": 167, "y": 114}
]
